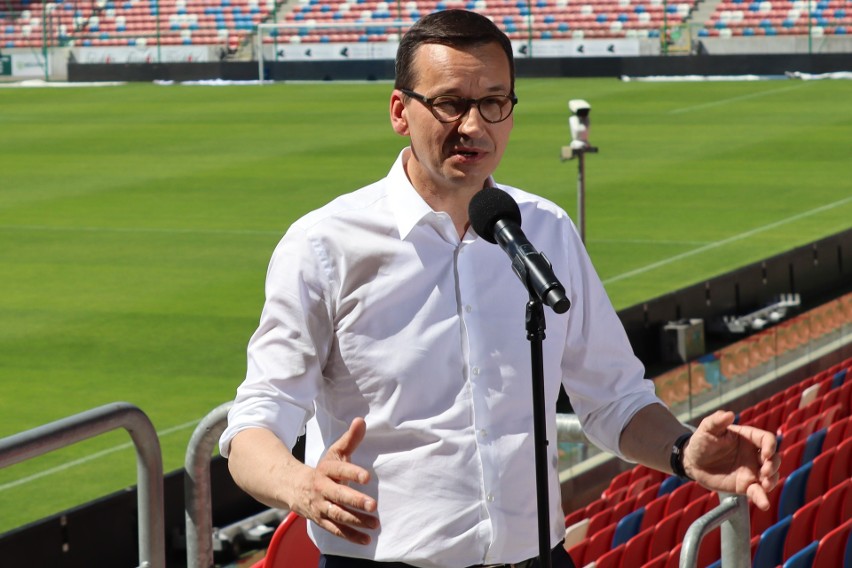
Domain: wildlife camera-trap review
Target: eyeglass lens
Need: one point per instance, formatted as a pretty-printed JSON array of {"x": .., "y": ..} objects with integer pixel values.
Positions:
[{"x": 449, "y": 108}]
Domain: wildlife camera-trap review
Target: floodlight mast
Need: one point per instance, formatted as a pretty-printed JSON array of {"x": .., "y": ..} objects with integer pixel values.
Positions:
[{"x": 579, "y": 122}]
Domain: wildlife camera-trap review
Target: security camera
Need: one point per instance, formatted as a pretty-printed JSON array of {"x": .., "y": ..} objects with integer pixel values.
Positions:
[
  {"x": 579, "y": 123},
  {"x": 579, "y": 107}
]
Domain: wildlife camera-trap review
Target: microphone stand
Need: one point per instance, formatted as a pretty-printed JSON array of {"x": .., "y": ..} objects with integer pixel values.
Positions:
[{"x": 535, "y": 325}]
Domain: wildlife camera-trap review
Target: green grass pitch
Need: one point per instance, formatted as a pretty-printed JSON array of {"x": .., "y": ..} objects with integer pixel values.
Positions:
[{"x": 136, "y": 223}]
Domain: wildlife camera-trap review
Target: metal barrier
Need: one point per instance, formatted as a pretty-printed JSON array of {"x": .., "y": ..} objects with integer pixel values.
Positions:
[
  {"x": 197, "y": 496},
  {"x": 569, "y": 429},
  {"x": 732, "y": 515},
  {"x": 149, "y": 462}
]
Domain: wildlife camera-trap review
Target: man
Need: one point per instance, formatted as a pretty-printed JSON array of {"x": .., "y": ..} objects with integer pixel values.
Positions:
[{"x": 396, "y": 335}]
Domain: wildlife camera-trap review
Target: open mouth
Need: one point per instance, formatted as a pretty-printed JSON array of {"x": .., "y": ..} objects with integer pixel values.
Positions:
[{"x": 466, "y": 152}]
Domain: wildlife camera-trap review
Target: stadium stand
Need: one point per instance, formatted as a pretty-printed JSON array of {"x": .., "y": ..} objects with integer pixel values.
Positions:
[
  {"x": 230, "y": 22},
  {"x": 812, "y": 500},
  {"x": 779, "y": 17},
  {"x": 131, "y": 22}
]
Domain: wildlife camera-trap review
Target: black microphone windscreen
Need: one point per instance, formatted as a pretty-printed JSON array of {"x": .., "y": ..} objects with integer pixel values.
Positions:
[{"x": 489, "y": 206}]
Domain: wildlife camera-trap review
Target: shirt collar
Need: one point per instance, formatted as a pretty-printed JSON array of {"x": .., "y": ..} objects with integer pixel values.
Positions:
[{"x": 407, "y": 206}]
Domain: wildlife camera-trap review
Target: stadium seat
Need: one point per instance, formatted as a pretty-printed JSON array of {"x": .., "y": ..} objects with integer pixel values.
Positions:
[
  {"x": 818, "y": 478},
  {"x": 683, "y": 495},
  {"x": 813, "y": 445},
  {"x": 841, "y": 465},
  {"x": 670, "y": 484},
  {"x": 828, "y": 516},
  {"x": 665, "y": 534},
  {"x": 575, "y": 517},
  {"x": 599, "y": 521},
  {"x": 762, "y": 520},
  {"x": 628, "y": 527},
  {"x": 290, "y": 546},
  {"x": 599, "y": 544},
  {"x": 654, "y": 512},
  {"x": 658, "y": 561},
  {"x": 637, "y": 547},
  {"x": 612, "y": 559},
  {"x": 575, "y": 533},
  {"x": 791, "y": 458},
  {"x": 832, "y": 547},
  {"x": 839, "y": 431},
  {"x": 770, "y": 548},
  {"x": 793, "y": 493},
  {"x": 618, "y": 482},
  {"x": 578, "y": 553},
  {"x": 801, "y": 531},
  {"x": 803, "y": 558},
  {"x": 648, "y": 494}
]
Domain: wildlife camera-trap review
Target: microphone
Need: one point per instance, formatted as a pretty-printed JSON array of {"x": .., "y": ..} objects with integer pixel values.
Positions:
[{"x": 495, "y": 217}]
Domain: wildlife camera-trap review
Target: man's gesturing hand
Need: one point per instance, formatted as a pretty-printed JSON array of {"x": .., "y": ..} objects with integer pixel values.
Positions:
[
  {"x": 738, "y": 459},
  {"x": 328, "y": 500}
]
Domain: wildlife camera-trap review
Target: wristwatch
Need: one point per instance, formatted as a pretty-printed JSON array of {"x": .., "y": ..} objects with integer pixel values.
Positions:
[{"x": 676, "y": 459}]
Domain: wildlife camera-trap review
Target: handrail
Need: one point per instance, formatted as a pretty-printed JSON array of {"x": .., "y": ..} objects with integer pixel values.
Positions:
[
  {"x": 732, "y": 515},
  {"x": 569, "y": 429},
  {"x": 149, "y": 462},
  {"x": 197, "y": 495}
]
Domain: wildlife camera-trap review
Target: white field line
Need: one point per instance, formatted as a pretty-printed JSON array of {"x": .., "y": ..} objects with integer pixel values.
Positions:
[
  {"x": 90, "y": 457},
  {"x": 727, "y": 241},
  {"x": 722, "y": 102}
]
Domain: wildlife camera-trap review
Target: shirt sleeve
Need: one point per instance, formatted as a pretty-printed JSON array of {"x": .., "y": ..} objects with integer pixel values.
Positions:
[
  {"x": 604, "y": 379},
  {"x": 286, "y": 352}
]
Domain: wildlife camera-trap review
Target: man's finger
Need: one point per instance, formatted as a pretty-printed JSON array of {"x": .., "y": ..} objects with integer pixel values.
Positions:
[
  {"x": 346, "y": 445},
  {"x": 756, "y": 493},
  {"x": 350, "y": 498},
  {"x": 718, "y": 422}
]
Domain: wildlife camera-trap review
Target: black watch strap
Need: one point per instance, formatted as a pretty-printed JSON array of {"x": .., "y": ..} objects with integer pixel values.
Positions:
[{"x": 676, "y": 460}]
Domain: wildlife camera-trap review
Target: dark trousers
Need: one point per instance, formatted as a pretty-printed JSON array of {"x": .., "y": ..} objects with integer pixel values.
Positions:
[{"x": 559, "y": 559}]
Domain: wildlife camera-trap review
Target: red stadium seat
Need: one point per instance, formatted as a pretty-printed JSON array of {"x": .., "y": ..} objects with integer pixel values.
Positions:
[
  {"x": 636, "y": 549},
  {"x": 828, "y": 516},
  {"x": 791, "y": 457},
  {"x": 801, "y": 531},
  {"x": 832, "y": 546},
  {"x": 665, "y": 534},
  {"x": 290, "y": 546},
  {"x": 841, "y": 465}
]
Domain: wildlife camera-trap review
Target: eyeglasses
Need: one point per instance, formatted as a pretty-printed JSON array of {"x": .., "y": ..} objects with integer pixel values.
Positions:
[{"x": 450, "y": 108}]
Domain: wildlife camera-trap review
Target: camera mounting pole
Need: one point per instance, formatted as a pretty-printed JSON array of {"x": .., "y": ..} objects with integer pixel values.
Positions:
[{"x": 579, "y": 147}]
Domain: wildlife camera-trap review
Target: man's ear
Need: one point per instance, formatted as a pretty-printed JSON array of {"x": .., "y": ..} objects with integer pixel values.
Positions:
[{"x": 398, "y": 114}]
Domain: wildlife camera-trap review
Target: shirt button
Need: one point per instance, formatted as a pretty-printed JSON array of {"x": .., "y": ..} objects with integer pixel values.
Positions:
[
  {"x": 475, "y": 371},
  {"x": 489, "y": 498},
  {"x": 483, "y": 433},
  {"x": 468, "y": 308}
]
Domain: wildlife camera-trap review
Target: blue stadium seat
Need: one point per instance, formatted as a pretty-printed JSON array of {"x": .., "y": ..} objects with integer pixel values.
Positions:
[
  {"x": 670, "y": 484},
  {"x": 770, "y": 548},
  {"x": 628, "y": 527},
  {"x": 804, "y": 558},
  {"x": 813, "y": 445},
  {"x": 793, "y": 493}
]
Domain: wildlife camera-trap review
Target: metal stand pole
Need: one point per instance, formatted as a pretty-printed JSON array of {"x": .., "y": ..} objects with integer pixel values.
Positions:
[{"x": 535, "y": 334}]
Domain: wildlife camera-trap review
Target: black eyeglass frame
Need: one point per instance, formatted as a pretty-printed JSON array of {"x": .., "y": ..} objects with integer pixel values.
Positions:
[{"x": 430, "y": 101}]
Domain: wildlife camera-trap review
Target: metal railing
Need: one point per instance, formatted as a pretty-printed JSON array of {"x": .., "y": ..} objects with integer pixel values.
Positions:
[
  {"x": 149, "y": 462},
  {"x": 198, "y": 507},
  {"x": 732, "y": 515}
]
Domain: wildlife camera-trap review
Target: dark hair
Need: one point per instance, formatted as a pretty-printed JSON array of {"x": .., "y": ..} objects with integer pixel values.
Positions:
[{"x": 454, "y": 28}]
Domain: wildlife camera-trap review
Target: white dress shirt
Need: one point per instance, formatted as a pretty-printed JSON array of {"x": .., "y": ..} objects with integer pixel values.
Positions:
[{"x": 375, "y": 308}]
